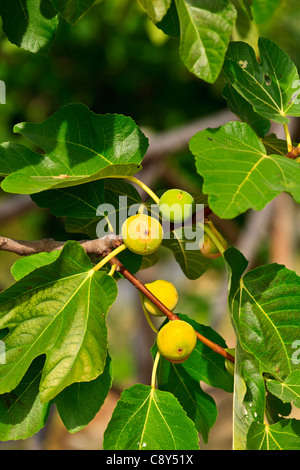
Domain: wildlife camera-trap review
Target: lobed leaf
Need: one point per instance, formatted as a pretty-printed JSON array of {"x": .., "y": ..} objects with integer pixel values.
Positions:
[
  {"x": 80, "y": 146},
  {"x": 58, "y": 310},
  {"x": 271, "y": 86}
]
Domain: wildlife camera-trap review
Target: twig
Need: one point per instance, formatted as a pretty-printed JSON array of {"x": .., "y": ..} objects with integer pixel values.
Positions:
[{"x": 170, "y": 315}]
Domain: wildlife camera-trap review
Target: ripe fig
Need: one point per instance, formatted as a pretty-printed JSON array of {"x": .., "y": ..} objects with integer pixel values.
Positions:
[
  {"x": 165, "y": 292},
  {"x": 176, "y": 205},
  {"x": 176, "y": 340},
  {"x": 142, "y": 234}
]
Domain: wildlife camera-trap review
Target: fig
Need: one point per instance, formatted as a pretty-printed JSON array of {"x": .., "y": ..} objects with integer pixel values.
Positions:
[
  {"x": 165, "y": 291},
  {"x": 209, "y": 249},
  {"x": 176, "y": 206},
  {"x": 176, "y": 340},
  {"x": 142, "y": 234}
]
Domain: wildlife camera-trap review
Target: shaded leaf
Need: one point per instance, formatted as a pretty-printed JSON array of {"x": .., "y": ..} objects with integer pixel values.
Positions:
[
  {"x": 78, "y": 404},
  {"x": 29, "y": 24},
  {"x": 243, "y": 109},
  {"x": 80, "y": 146},
  {"x": 205, "y": 30},
  {"x": 21, "y": 412},
  {"x": 72, "y": 10}
]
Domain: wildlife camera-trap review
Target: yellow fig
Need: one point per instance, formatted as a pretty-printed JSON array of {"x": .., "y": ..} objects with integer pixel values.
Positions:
[
  {"x": 165, "y": 292},
  {"x": 142, "y": 234},
  {"x": 176, "y": 340}
]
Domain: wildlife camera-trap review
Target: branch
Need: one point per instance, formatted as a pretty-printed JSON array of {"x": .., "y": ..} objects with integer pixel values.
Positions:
[{"x": 101, "y": 246}]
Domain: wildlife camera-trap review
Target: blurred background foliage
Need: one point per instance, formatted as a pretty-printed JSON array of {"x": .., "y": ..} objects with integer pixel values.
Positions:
[{"x": 115, "y": 60}]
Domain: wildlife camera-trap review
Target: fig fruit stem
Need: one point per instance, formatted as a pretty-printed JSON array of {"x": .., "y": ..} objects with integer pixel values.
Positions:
[
  {"x": 147, "y": 315},
  {"x": 154, "y": 369},
  {"x": 170, "y": 315},
  {"x": 288, "y": 137},
  {"x": 112, "y": 270},
  {"x": 107, "y": 258},
  {"x": 213, "y": 237},
  {"x": 142, "y": 185}
]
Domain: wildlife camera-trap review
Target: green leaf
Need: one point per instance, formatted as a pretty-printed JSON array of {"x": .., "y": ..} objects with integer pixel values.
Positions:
[
  {"x": 26, "y": 265},
  {"x": 238, "y": 174},
  {"x": 263, "y": 10},
  {"x": 76, "y": 201},
  {"x": 269, "y": 314},
  {"x": 22, "y": 413},
  {"x": 183, "y": 380},
  {"x": 249, "y": 397},
  {"x": 276, "y": 409},
  {"x": 271, "y": 86},
  {"x": 156, "y": 9},
  {"x": 149, "y": 419},
  {"x": 273, "y": 145},
  {"x": 284, "y": 435},
  {"x": 72, "y": 10},
  {"x": 243, "y": 109},
  {"x": 191, "y": 261},
  {"x": 63, "y": 306},
  {"x": 288, "y": 390},
  {"x": 29, "y": 24},
  {"x": 78, "y": 404},
  {"x": 205, "y": 29},
  {"x": 80, "y": 146}
]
